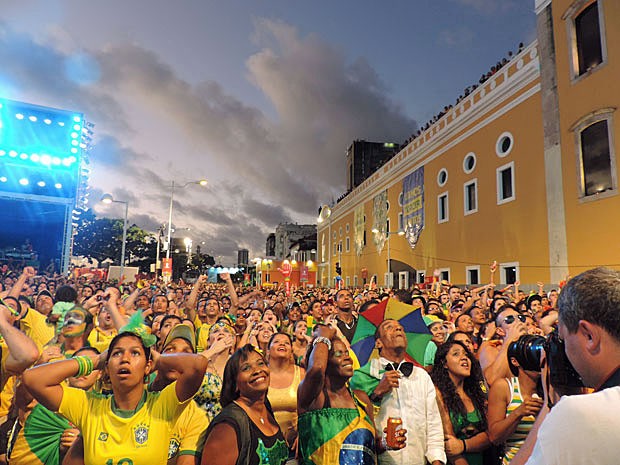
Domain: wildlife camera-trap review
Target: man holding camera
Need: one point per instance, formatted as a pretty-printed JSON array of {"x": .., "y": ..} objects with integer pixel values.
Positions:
[{"x": 584, "y": 428}]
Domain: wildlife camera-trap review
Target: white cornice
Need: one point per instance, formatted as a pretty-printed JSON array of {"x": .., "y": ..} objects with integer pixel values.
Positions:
[{"x": 540, "y": 5}]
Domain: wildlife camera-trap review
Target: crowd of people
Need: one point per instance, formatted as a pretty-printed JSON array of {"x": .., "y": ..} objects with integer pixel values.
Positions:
[
  {"x": 155, "y": 372},
  {"x": 466, "y": 92}
]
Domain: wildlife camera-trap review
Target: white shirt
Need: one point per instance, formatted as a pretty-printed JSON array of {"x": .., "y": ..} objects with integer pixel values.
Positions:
[
  {"x": 415, "y": 403},
  {"x": 579, "y": 430}
]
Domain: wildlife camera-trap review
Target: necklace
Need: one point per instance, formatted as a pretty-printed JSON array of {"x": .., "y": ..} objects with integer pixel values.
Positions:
[{"x": 348, "y": 325}]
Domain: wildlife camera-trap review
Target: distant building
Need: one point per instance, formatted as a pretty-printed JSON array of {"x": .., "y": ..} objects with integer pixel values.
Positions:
[
  {"x": 364, "y": 158},
  {"x": 270, "y": 248},
  {"x": 287, "y": 234},
  {"x": 243, "y": 257},
  {"x": 303, "y": 249}
]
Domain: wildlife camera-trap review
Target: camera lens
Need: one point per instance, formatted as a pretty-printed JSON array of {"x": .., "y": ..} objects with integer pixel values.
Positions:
[{"x": 527, "y": 350}]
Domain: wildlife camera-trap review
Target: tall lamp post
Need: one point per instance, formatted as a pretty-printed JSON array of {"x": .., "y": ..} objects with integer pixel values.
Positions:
[
  {"x": 326, "y": 214},
  {"x": 107, "y": 198},
  {"x": 389, "y": 268},
  {"x": 201, "y": 182}
]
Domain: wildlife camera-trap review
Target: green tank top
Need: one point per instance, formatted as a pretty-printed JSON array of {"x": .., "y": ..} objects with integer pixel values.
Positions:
[{"x": 466, "y": 427}]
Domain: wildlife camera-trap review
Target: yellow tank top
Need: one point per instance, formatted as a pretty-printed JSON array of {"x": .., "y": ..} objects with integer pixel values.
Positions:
[{"x": 284, "y": 403}]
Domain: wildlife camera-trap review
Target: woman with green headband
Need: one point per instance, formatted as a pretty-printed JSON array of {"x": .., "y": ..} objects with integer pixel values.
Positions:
[{"x": 128, "y": 426}]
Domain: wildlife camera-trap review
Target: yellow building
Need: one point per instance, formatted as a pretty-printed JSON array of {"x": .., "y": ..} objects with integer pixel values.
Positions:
[{"x": 521, "y": 171}]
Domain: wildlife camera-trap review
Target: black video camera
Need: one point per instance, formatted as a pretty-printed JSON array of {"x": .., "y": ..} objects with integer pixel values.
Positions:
[{"x": 527, "y": 350}]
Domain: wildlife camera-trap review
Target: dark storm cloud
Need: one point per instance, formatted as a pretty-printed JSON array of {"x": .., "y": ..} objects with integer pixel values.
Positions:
[
  {"x": 108, "y": 152},
  {"x": 146, "y": 222},
  {"x": 41, "y": 72},
  {"x": 265, "y": 213},
  {"x": 270, "y": 171},
  {"x": 323, "y": 104}
]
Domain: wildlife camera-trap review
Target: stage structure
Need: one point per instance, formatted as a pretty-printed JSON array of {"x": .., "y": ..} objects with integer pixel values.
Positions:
[{"x": 43, "y": 183}]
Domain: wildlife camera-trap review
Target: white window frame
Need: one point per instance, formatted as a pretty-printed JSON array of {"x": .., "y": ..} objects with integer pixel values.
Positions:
[
  {"x": 498, "y": 144},
  {"x": 347, "y": 228},
  {"x": 467, "y": 276},
  {"x": 347, "y": 281},
  {"x": 405, "y": 278},
  {"x": 498, "y": 173},
  {"x": 442, "y": 271},
  {"x": 418, "y": 274},
  {"x": 447, "y": 218},
  {"x": 335, "y": 249},
  {"x": 473, "y": 155},
  {"x": 502, "y": 270},
  {"x": 439, "y": 183},
  {"x": 571, "y": 36},
  {"x": 473, "y": 182},
  {"x": 401, "y": 226},
  {"x": 388, "y": 279},
  {"x": 348, "y": 244},
  {"x": 578, "y": 128},
  {"x": 355, "y": 280}
]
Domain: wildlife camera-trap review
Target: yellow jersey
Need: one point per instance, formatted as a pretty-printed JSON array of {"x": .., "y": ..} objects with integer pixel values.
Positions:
[
  {"x": 189, "y": 433},
  {"x": 99, "y": 340},
  {"x": 113, "y": 437}
]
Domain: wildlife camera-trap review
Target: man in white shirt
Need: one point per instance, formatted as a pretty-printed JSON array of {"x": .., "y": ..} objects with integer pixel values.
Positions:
[
  {"x": 585, "y": 428},
  {"x": 402, "y": 390}
]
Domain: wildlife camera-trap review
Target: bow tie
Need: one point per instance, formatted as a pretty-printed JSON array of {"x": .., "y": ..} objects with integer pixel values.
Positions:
[{"x": 404, "y": 367}]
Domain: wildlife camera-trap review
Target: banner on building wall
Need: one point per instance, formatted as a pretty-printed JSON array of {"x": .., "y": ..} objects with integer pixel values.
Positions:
[
  {"x": 413, "y": 206},
  {"x": 379, "y": 223},
  {"x": 358, "y": 229}
]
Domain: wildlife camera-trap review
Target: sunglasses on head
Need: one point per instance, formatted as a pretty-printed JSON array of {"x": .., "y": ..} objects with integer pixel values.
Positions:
[{"x": 510, "y": 319}]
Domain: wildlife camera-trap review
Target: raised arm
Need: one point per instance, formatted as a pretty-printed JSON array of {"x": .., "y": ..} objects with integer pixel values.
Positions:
[
  {"x": 17, "y": 288},
  {"x": 310, "y": 390},
  {"x": 130, "y": 302},
  {"x": 232, "y": 292},
  {"x": 43, "y": 381},
  {"x": 192, "y": 299},
  {"x": 190, "y": 368},
  {"x": 23, "y": 351}
]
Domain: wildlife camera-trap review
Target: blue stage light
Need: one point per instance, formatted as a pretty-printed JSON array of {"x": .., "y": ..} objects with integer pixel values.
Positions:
[
  {"x": 23, "y": 181},
  {"x": 41, "y": 184},
  {"x": 3, "y": 179},
  {"x": 43, "y": 145}
]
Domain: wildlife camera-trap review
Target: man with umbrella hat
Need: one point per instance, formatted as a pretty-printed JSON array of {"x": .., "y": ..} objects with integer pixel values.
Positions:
[{"x": 401, "y": 389}]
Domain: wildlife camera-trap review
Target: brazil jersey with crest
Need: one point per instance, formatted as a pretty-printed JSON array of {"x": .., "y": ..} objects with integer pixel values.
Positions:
[{"x": 116, "y": 438}]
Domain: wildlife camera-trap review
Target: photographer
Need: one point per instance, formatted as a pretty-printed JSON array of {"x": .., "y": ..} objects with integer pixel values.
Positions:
[{"x": 586, "y": 428}]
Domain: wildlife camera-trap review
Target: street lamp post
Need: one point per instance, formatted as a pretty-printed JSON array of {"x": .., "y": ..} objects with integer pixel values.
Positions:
[
  {"x": 326, "y": 213},
  {"x": 389, "y": 268},
  {"x": 201, "y": 182},
  {"x": 107, "y": 198}
]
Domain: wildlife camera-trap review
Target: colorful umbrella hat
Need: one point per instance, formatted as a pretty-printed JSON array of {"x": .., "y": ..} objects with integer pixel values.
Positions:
[{"x": 418, "y": 335}]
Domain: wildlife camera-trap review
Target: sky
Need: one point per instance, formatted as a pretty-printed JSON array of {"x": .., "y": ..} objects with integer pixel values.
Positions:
[{"x": 261, "y": 98}]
